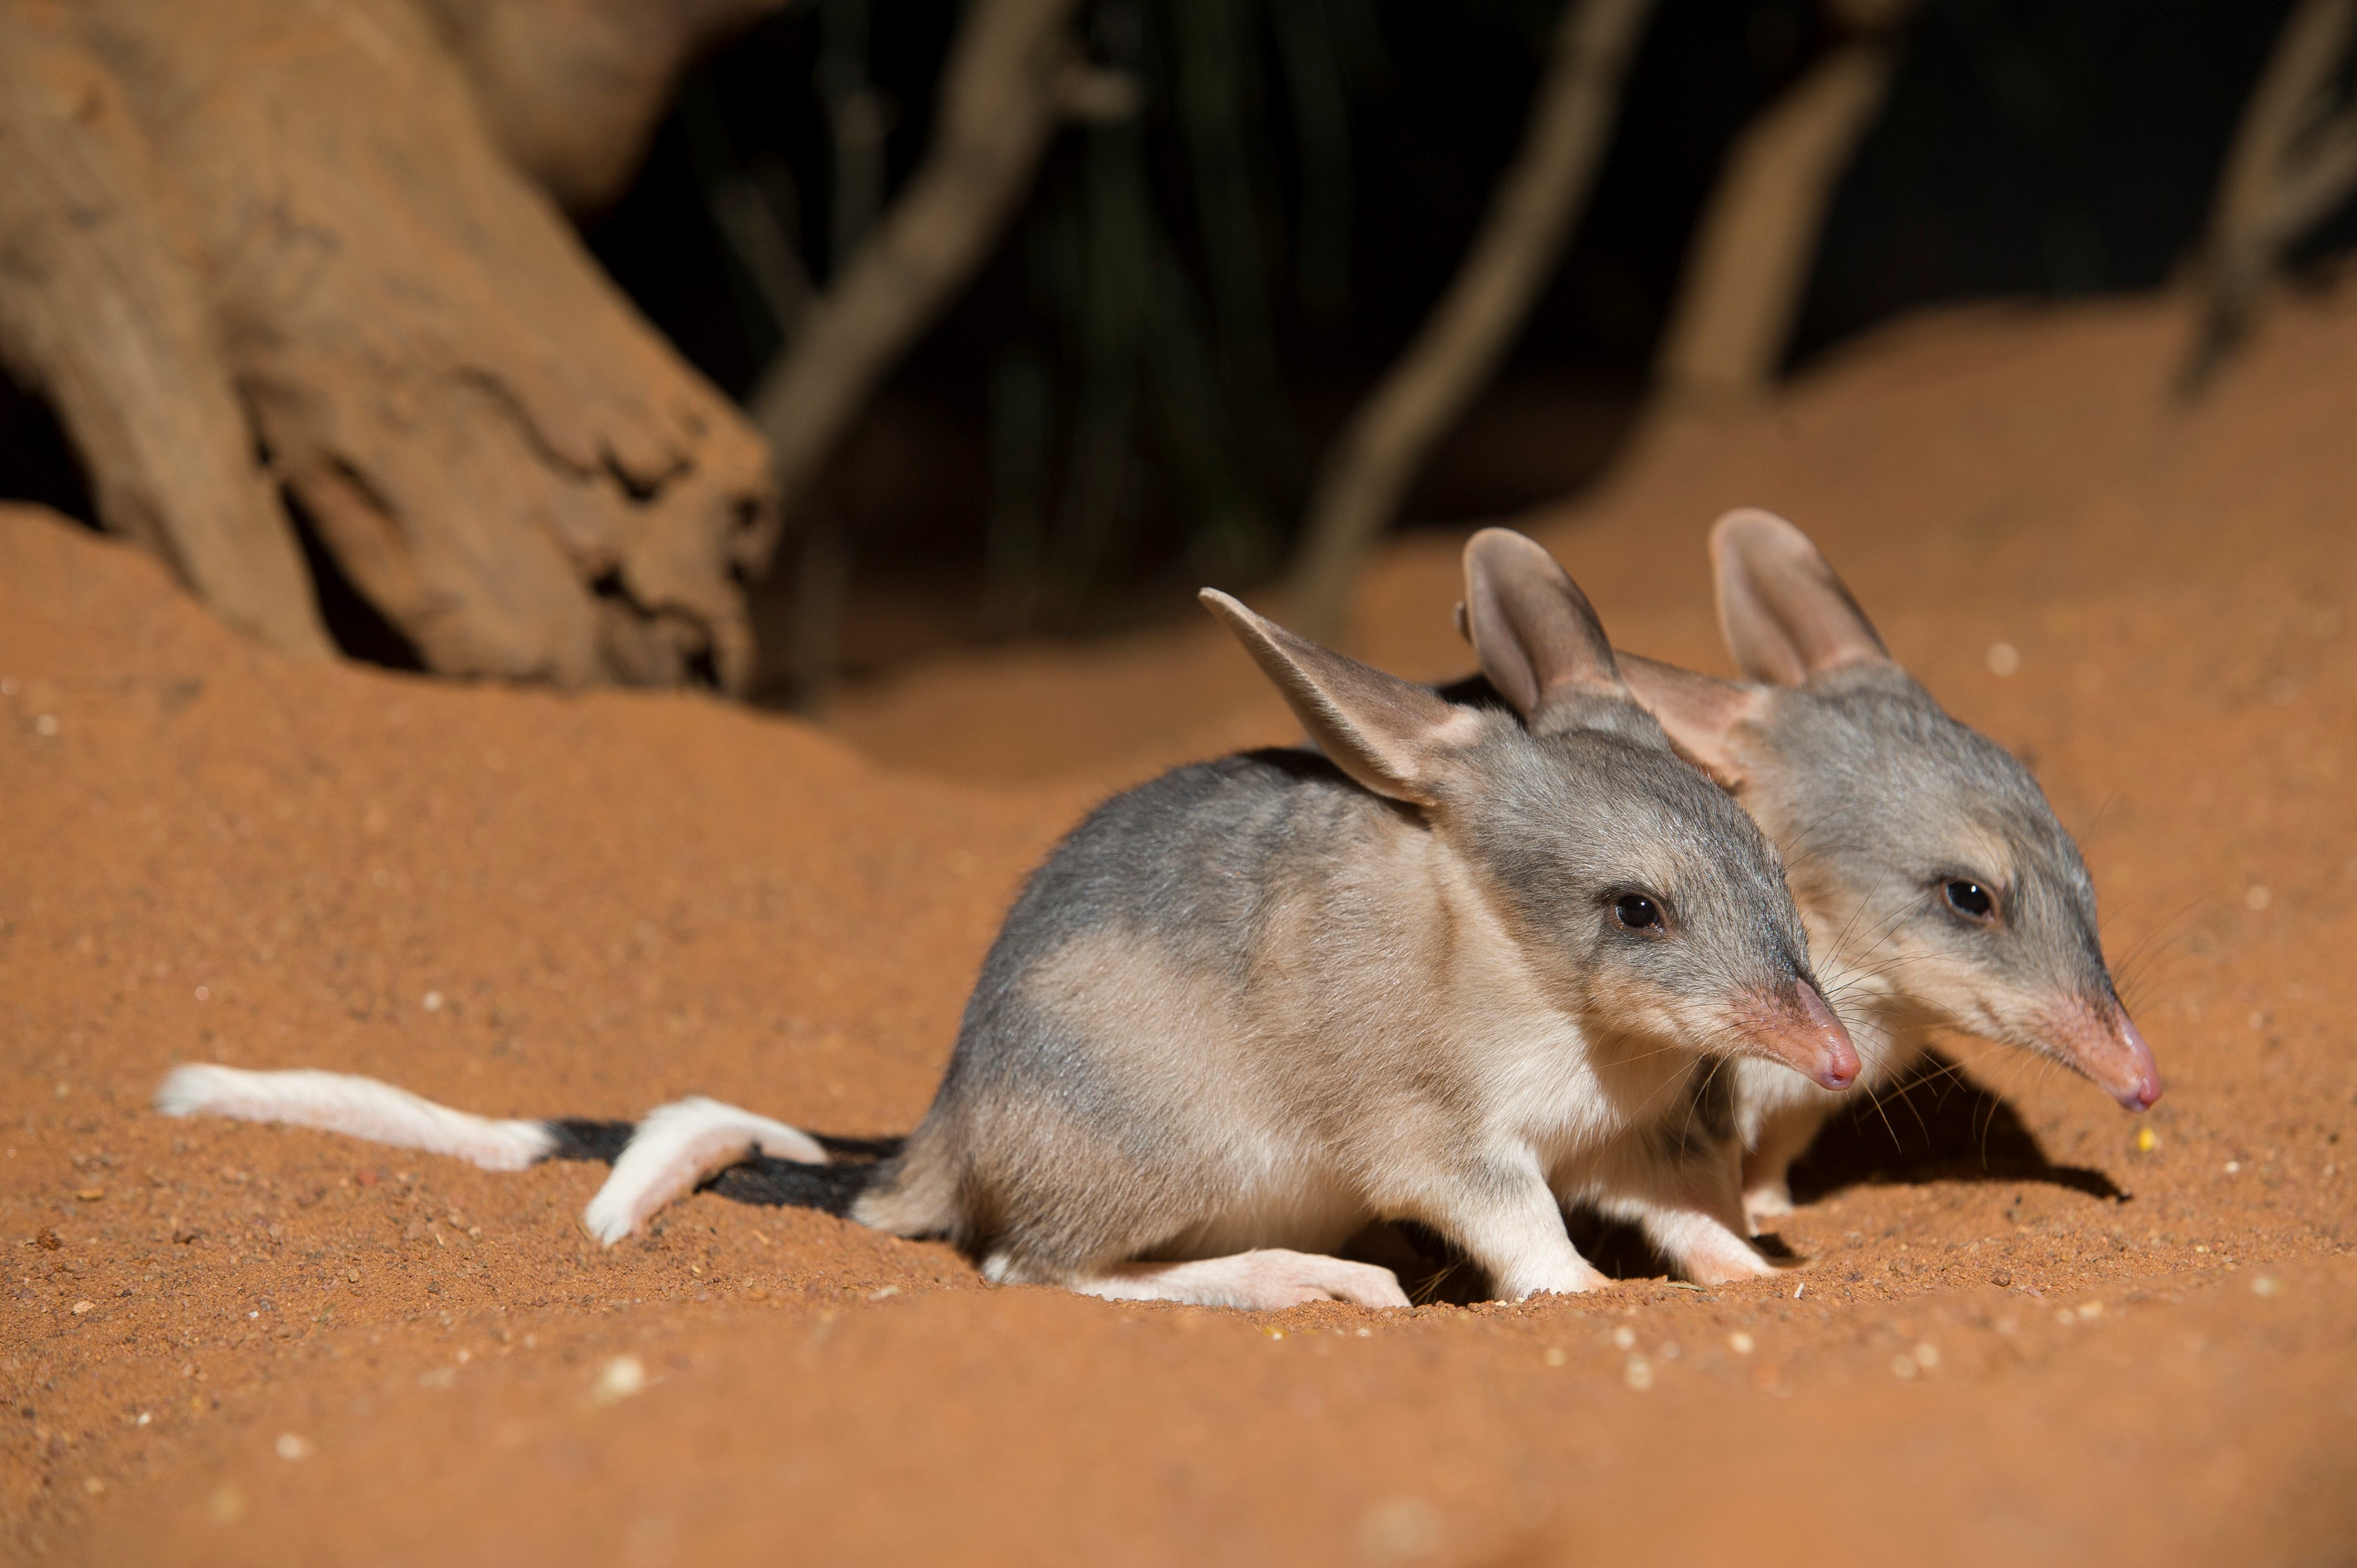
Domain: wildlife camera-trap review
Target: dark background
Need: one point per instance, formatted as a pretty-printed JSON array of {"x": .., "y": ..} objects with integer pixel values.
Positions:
[{"x": 1132, "y": 397}]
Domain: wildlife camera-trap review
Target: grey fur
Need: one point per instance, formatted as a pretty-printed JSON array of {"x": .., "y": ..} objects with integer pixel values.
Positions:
[{"x": 1256, "y": 1003}]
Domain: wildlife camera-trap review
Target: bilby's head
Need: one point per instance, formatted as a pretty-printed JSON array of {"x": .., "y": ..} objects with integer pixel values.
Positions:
[
  {"x": 1651, "y": 905},
  {"x": 1924, "y": 852}
]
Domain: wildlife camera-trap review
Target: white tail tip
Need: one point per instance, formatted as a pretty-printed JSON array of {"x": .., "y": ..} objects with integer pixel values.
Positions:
[
  {"x": 356, "y": 1107},
  {"x": 675, "y": 1150}
]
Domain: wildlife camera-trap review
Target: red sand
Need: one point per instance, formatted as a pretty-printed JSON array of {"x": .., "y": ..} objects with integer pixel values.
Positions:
[{"x": 212, "y": 853}]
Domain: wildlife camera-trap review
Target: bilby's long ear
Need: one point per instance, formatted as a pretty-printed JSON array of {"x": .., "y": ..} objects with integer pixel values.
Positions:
[
  {"x": 1390, "y": 735},
  {"x": 1785, "y": 615},
  {"x": 1701, "y": 713},
  {"x": 1538, "y": 637}
]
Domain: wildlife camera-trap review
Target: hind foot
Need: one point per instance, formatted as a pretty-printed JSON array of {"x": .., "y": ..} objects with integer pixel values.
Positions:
[{"x": 1263, "y": 1281}]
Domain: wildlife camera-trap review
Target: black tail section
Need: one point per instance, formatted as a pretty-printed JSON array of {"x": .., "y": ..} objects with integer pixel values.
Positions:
[
  {"x": 857, "y": 1164},
  {"x": 789, "y": 1184},
  {"x": 854, "y": 1166},
  {"x": 580, "y": 1140}
]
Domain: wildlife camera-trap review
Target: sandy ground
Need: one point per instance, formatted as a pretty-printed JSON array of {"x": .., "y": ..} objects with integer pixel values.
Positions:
[{"x": 2012, "y": 1334}]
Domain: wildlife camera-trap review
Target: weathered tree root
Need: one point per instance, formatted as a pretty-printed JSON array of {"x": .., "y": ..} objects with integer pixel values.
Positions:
[
  {"x": 504, "y": 459},
  {"x": 102, "y": 308}
]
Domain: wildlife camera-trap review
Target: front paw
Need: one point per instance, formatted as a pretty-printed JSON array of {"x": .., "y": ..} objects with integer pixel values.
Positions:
[
  {"x": 1768, "y": 1200},
  {"x": 1564, "y": 1282},
  {"x": 1725, "y": 1266}
]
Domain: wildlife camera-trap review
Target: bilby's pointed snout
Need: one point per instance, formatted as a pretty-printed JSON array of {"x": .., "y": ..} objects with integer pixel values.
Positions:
[
  {"x": 2102, "y": 1041},
  {"x": 1837, "y": 1065},
  {"x": 1797, "y": 1027}
]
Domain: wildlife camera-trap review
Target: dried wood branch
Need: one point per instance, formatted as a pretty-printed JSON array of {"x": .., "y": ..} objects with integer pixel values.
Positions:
[
  {"x": 1749, "y": 268},
  {"x": 1013, "y": 76},
  {"x": 1372, "y": 463},
  {"x": 2294, "y": 162}
]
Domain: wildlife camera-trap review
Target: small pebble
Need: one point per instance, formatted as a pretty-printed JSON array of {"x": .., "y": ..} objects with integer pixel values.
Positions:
[
  {"x": 80, "y": 1307},
  {"x": 2266, "y": 1284},
  {"x": 2002, "y": 1279},
  {"x": 1743, "y": 1343},
  {"x": 1625, "y": 1337},
  {"x": 2233, "y": 1167},
  {"x": 434, "y": 1002},
  {"x": 353, "y": 1275},
  {"x": 1402, "y": 1531},
  {"x": 619, "y": 1380},
  {"x": 290, "y": 1446},
  {"x": 90, "y": 1194}
]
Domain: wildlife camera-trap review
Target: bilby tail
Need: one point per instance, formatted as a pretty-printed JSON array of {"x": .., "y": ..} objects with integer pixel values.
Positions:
[{"x": 675, "y": 1149}]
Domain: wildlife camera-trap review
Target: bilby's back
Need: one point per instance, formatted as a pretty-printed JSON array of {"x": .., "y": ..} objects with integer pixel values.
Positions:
[{"x": 1461, "y": 970}]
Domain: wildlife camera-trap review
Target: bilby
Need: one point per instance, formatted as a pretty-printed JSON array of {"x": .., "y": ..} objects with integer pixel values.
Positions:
[
  {"x": 1454, "y": 966},
  {"x": 1936, "y": 885}
]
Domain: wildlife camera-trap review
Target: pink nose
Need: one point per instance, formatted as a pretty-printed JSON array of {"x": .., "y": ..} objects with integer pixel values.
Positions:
[
  {"x": 2138, "y": 1087},
  {"x": 1837, "y": 1066}
]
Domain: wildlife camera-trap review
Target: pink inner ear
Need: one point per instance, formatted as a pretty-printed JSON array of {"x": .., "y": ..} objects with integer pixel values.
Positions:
[
  {"x": 1536, "y": 632},
  {"x": 1701, "y": 713},
  {"x": 1785, "y": 613}
]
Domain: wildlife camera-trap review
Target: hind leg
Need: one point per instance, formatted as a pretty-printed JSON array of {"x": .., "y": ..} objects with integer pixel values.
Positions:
[{"x": 1260, "y": 1281}]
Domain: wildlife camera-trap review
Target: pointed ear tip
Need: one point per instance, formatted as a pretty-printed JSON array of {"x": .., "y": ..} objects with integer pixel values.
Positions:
[
  {"x": 1499, "y": 546},
  {"x": 1750, "y": 526}
]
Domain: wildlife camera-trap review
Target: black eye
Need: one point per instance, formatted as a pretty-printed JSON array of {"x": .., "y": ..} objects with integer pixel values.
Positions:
[
  {"x": 1969, "y": 899},
  {"x": 1638, "y": 913}
]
